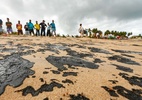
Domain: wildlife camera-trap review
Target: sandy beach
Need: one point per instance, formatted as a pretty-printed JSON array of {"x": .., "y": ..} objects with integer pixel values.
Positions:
[{"x": 48, "y": 68}]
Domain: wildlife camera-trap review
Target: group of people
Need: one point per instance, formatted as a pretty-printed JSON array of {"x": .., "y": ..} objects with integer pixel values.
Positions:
[{"x": 29, "y": 28}]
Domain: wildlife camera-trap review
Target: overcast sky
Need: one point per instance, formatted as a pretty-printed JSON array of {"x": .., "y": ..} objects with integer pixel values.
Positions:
[{"x": 120, "y": 15}]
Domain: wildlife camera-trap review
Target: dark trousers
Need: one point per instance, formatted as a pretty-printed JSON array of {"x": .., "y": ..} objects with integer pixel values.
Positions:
[
  {"x": 31, "y": 31},
  {"x": 48, "y": 33},
  {"x": 20, "y": 32},
  {"x": 43, "y": 31},
  {"x": 37, "y": 32}
]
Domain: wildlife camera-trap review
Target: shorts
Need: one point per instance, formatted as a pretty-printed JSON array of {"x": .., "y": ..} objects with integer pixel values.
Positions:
[{"x": 54, "y": 30}]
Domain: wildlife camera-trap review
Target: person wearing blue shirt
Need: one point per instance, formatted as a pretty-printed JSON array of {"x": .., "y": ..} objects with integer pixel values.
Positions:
[
  {"x": 53, "y": 27},
  {"x": 31, "y": 28},
  {"x": 1, "y": 22}
]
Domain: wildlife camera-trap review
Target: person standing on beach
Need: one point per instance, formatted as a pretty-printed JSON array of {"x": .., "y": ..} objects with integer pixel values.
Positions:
[
  {"x": 1, "y": 22},
  {"x": 53, "y": 27},
  {"x": 9, "y": 26},
  {"x": 37, "y": 27},
  {"x": 81, "y": 30},
  {"x": 26, "y": 29},
  {"x": 31, "y": 28},
  {"x": 19, "y": 28},
  {"x": 48, "y": 30},
  {"x": 43, "y": 26}
]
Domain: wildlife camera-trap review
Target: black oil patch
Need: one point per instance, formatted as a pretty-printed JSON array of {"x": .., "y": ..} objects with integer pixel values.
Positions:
[
  {"x": 13, "y": 71},
  {"x": 123, "y": 60},
  {"x": 110, "y": 91},
  {"x": 28, "y": 52},
  {"x": 113, "y": 81},
  {"x": 97, "y": 60},
  {"x": 44, "y": 88},
  {"x": 77, "y": 45},
  {"x": 55, "y": 72},
  {"x": 124, "y": 51},
  {"x": 51, "y": 47},
  {"x": 128, "y": 55},
  {"x": 10, "y": 50},
  {"x": 59, "y": 62},
  {"x": 77, "y": 54},
  {"x": 78, "y": 97},
  {"x": 65, "y": 74},
  {"x": 97, "y": 50},
  {"x": 46, "y": 98},
  {"x": 68, "y": 81},
  {"x": 41, "y": 79},
  {"x": 45, "y": 72},
  {"x": 137, "y": 91},
  {"x": 136, "y": 45},
  {"x": 134, "y": 94},
  {"x": 131, "y": 95},
  {"x": 122, "y": 68},
  {"x": 133, "y": 80}
]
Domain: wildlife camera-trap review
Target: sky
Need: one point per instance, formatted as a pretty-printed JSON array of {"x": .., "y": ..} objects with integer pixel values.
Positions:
[{"x": 119, "y": 15}]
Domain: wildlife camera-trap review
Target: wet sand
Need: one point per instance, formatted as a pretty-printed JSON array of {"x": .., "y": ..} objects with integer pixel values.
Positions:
[{"x": 47, "y": 68}]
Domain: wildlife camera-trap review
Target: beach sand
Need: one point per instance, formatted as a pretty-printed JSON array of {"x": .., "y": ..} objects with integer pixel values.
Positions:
[{"x": 75, "y": 68}]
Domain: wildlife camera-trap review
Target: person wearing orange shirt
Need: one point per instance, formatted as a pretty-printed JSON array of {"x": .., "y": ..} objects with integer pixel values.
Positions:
[{"x": 19, "y": 28}]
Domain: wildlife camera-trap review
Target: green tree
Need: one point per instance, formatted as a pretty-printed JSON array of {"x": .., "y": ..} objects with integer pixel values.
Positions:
[
  {"x": 107, "y": 32},
  {"x": 129, "y": 34},
  {"x": 94, "y": 30}
]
